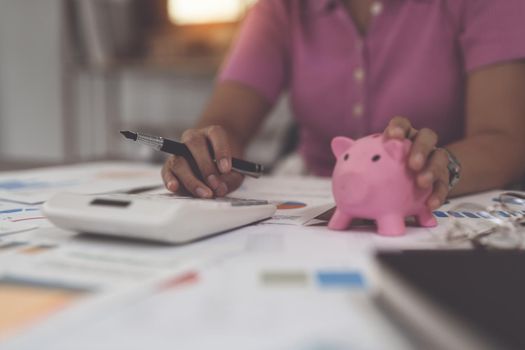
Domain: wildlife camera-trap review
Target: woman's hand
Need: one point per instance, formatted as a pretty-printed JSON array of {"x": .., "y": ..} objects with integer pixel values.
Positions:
[
  {"x": 430, "y": 163},
  {"x": 208, "y": 178}
]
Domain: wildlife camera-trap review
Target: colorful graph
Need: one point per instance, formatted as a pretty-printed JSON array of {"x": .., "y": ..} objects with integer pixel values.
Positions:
[
  {"x": 13, "y": 220},
  {"x": 15, "y": 214}
]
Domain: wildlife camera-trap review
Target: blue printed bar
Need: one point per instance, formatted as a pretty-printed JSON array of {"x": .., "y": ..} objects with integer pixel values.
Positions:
[
  {"x": 10, "y": 211},
  {"x": 470, "y": 215},
  {"x": 340, "y": 279}
]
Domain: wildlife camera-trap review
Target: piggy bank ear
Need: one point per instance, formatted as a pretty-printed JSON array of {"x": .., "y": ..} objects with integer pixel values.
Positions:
[
  {"x": 397, "y": 149},
  {"x": 341, "y": 144}
]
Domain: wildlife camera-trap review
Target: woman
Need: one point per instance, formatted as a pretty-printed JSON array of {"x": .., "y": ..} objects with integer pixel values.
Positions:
[{"x": 454, "y": 69}]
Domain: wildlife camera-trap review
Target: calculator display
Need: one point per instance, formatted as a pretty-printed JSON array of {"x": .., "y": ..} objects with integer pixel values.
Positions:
[{"x": 110, "y": 203}]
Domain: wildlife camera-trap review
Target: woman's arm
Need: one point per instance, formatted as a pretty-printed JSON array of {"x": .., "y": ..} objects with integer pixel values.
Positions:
[
  {"x": 238, "y": 109},
  {"x": 229, "y": 121},
  {"x": 250, "y": 81},
  {"x": 492, "y": 153}
]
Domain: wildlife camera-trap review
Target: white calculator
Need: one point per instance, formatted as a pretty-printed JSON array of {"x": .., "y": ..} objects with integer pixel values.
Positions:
[{"x": 160, "y": 217}]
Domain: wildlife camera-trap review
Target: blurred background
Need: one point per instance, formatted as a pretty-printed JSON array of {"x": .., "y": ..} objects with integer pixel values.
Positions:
[{"x": 75, "y": 72}]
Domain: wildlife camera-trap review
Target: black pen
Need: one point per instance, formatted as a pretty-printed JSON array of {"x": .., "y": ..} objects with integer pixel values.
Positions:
[{"x": 180, "y": 149}]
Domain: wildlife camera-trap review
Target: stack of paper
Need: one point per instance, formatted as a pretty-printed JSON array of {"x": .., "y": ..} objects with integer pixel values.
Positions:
[
  {"x": 37, "y": 186},
  {"x": 22, "y": 192},
  {"x": 298, "y": 199}
]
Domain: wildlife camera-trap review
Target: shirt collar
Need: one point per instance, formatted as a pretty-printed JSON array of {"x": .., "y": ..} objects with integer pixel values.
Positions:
[{"x": 324, "y": 6}]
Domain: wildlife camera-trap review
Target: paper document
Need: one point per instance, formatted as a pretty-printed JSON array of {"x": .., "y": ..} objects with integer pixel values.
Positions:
[
  {"x": 55, "y": 276},
  {"x": 298, "y": 199},
  {"x": 37, "y": 186},
  {"x": 251, "y": 304},
  {"x": 15, "y": 218}
]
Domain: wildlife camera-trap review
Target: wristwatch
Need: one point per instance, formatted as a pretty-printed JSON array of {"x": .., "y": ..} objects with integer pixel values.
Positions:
[{"x": 454, "y": 169}]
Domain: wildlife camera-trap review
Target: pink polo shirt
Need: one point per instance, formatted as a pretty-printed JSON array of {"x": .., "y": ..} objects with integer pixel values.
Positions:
[{"x": 412, "y": 62}]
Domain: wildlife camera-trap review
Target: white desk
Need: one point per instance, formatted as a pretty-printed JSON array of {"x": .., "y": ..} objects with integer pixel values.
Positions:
[{"x": 269, "y": 286}]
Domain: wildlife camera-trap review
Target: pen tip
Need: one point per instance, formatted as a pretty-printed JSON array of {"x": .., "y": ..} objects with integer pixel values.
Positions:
[{"x": 129, "y": 135}]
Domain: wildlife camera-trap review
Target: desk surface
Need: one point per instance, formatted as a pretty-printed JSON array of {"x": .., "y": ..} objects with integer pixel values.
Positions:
[
  {"x": 10, "y": 164},
  {"x": 268, "y": 286}
]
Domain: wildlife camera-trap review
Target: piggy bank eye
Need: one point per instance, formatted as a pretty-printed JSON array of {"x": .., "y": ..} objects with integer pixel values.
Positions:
[
  {"x": 376, "y": 158},
  {"x": 346, "y": 156}
]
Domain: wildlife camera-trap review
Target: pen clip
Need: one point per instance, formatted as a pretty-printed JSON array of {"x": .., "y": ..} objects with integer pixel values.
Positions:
[{"x": 253, "y": 174}]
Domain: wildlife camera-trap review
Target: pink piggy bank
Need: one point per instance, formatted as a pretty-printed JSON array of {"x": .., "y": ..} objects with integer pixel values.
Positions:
[{"x": 371, "y": 180}]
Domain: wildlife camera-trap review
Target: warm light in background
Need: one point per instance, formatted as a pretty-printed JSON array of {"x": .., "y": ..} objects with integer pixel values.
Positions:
[{"x": 206, "y": 11}]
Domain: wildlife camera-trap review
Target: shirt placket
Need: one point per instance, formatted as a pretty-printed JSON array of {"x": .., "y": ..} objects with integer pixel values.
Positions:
[{"x": 358, "y": 111}]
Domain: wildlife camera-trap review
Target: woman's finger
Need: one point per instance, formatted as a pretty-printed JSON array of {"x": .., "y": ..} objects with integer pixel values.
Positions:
[
  {"x": 221, "y": 149},
  {"x": 232, "y": 180},
  {"x": 439, "y": 195},
  {"x": 197, "y": 143},
  {"x": 436, "y": 169},
  {"x": 423, "y": 145},
  {"x": 400, "y": 128},
  {"x": 170, "y": 180},
  {"x": 179, "y": 166}
]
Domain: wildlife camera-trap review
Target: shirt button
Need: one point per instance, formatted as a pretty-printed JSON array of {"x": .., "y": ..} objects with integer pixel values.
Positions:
[
  {"x": 359, "y": 74},
  {"x": 377, "y": 8},
  {"x": 357, "y": 110}
]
